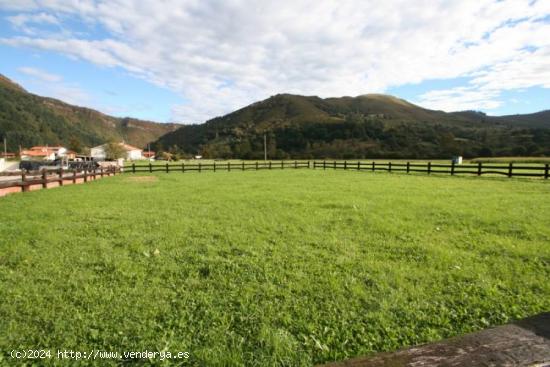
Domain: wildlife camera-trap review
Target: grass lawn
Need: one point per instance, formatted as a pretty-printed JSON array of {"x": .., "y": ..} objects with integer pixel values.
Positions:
[{"x": 292, "y": 267}]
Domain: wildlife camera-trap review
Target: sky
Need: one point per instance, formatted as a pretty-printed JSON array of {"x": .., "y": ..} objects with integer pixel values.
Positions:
[{"x": 188, "y": 61}]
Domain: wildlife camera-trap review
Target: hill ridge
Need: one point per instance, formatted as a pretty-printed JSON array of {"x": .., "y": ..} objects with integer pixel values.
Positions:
[
  {"x": 27, "y": 119},
  {"x": 369, "y": 125}
]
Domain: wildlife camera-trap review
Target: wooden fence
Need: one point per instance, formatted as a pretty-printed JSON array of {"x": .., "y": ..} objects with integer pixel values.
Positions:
[
  {"x": 225, "y": 166},
  {"x": 26, "y": 180},
  {"x": 452, "y": 169}
]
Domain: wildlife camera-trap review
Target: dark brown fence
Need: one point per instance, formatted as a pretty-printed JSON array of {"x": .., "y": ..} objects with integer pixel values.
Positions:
[
  {"x": 221, "y": 166},
  {"x": 452, "y": 169},
  {"x": 26, "y": 179}
]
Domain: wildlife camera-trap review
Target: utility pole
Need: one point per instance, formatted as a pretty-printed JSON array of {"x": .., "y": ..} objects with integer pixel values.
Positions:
[{"x": 265, "y": 147}]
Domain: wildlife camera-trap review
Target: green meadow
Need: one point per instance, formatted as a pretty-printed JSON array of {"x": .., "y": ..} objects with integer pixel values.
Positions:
[{"x": 268, "y": 268}]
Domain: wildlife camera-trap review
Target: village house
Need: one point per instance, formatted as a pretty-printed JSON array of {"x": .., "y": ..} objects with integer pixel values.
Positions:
[
  {"x": 43, "y": 152},
  {"x": 132, "y": 153},
  {"x": 149, "y": 155},
  {"x": 8, "y": 155}
]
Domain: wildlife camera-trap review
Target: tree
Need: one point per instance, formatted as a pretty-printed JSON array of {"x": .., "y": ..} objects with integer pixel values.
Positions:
[
  {"x": 114, "y": 150},
  {"x": 74, "y": 144}
]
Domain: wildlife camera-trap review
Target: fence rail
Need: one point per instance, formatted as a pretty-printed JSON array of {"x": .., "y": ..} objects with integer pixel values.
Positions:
[
  {"x": 226, "y": 166},
  {"x": 452, "y": 169},
  {"x": 27, "y": 179}
]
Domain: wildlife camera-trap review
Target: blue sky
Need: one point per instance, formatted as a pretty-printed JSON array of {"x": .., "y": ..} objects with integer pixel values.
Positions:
[{"x": 191, "y": 61}]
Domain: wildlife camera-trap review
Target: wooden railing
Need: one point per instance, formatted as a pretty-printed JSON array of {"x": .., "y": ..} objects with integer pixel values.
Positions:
[
  {"x": 510, "y": 170},
  {"x": 223, "y": 166},
  {"x": 26, "y": 179},
  {"x": 452, "y": 169}
]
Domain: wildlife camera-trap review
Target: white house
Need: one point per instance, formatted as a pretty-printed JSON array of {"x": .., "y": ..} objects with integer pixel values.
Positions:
[
  {"x": 132, "y": 153},
  {"x": 43, "y": 152}
]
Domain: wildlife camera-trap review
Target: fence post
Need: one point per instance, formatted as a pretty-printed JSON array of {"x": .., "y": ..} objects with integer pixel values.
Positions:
[
  {"x": 389, "y": 167},
  {"x": 429, "y": 167},
  {"x": 228, "y": 166},
  {"x": 133, "y": 168},
  {"x": 85, "y": 175},
  {"x": 101, "y": 171},
  {"x": 295, "y": 164},
  {"x": 269, "y": 164},
  {"x": 256, "y": 165},
  {"x": 334, "y": 164},
  {"x": 324, "y": 164},
  {"x": 74, "y": 176},
  {"x": 359, "y": 165},
  {"x": 150, "y": 167},
  {"x": 479, "y": 169},
  {"x": 345, "y": 165},
  {"x": 214, "y": 166},
  {"x": 44, "y": 177},
  {"x": 167, "y": 167},
  {"x": 242, "y": 165},
  {"x": 546, "y": 169},
  {"x": 308, "y": 164},
  {"x": 452, "y": 167},
  {"x": 373, "y": 166},
  {"x": 24, "y": 188},
  {"x": 60, "y": 176},
  {"x": 408, "y": 167},
  {"x": 510, "y": 169},
  {"x": 283, "y": 164},
  {"x": 199, "y": 167},
  {"x": 182, "y": 167}
]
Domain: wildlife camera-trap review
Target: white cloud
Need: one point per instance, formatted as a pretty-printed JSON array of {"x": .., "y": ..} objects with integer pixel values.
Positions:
[
  {"x": 221, "y": 55},
  {"x": 22, "y": 19},
  {"x": 461, "y": 99},
  {"x": 53, "y": 85},
  {"x": 40, "y": 74}
]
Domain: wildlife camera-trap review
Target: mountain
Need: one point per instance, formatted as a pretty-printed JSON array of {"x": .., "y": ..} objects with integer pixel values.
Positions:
[
  {"x": 27, "y": 119},
  {"x": 367, "y": 126},
  {"x": 539, "y": 120}
]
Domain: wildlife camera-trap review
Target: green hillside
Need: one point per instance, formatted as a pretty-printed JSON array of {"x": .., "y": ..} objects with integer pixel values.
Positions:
[
  {"x": 27, "y": 119},
  {"x": 368, "y": 126}
]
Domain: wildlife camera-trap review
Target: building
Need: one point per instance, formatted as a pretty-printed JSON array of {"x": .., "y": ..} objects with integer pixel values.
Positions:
[
  {"x": 132, "y": 153},
  {"x": 70, "y": 155},
  {"x": 149, "y": 155},
  {"x": 7, "y": 155},
  {"x": 43, "y": 152},
  {"x": 46, "y": 153}
]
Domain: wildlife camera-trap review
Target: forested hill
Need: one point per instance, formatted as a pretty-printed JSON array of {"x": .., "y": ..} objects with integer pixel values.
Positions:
[
  {"x": 27, "y": 119},
  {"x": 367, "y": 126}
]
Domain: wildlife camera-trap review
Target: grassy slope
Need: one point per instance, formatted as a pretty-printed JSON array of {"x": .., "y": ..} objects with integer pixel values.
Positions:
[
  {"x": 270, "y": 268},
  {"x": 28, "y": 119}
]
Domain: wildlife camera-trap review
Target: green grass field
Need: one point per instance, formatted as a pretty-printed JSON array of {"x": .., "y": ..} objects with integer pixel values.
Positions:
[{"x": 269, "y": 268}]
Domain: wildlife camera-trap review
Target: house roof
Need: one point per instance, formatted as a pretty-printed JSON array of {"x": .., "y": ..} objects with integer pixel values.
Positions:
[
  {"x": 37, "y": 153},
  {"x": 45, "y": 148},
  {"x": 148, "y": 154}
]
